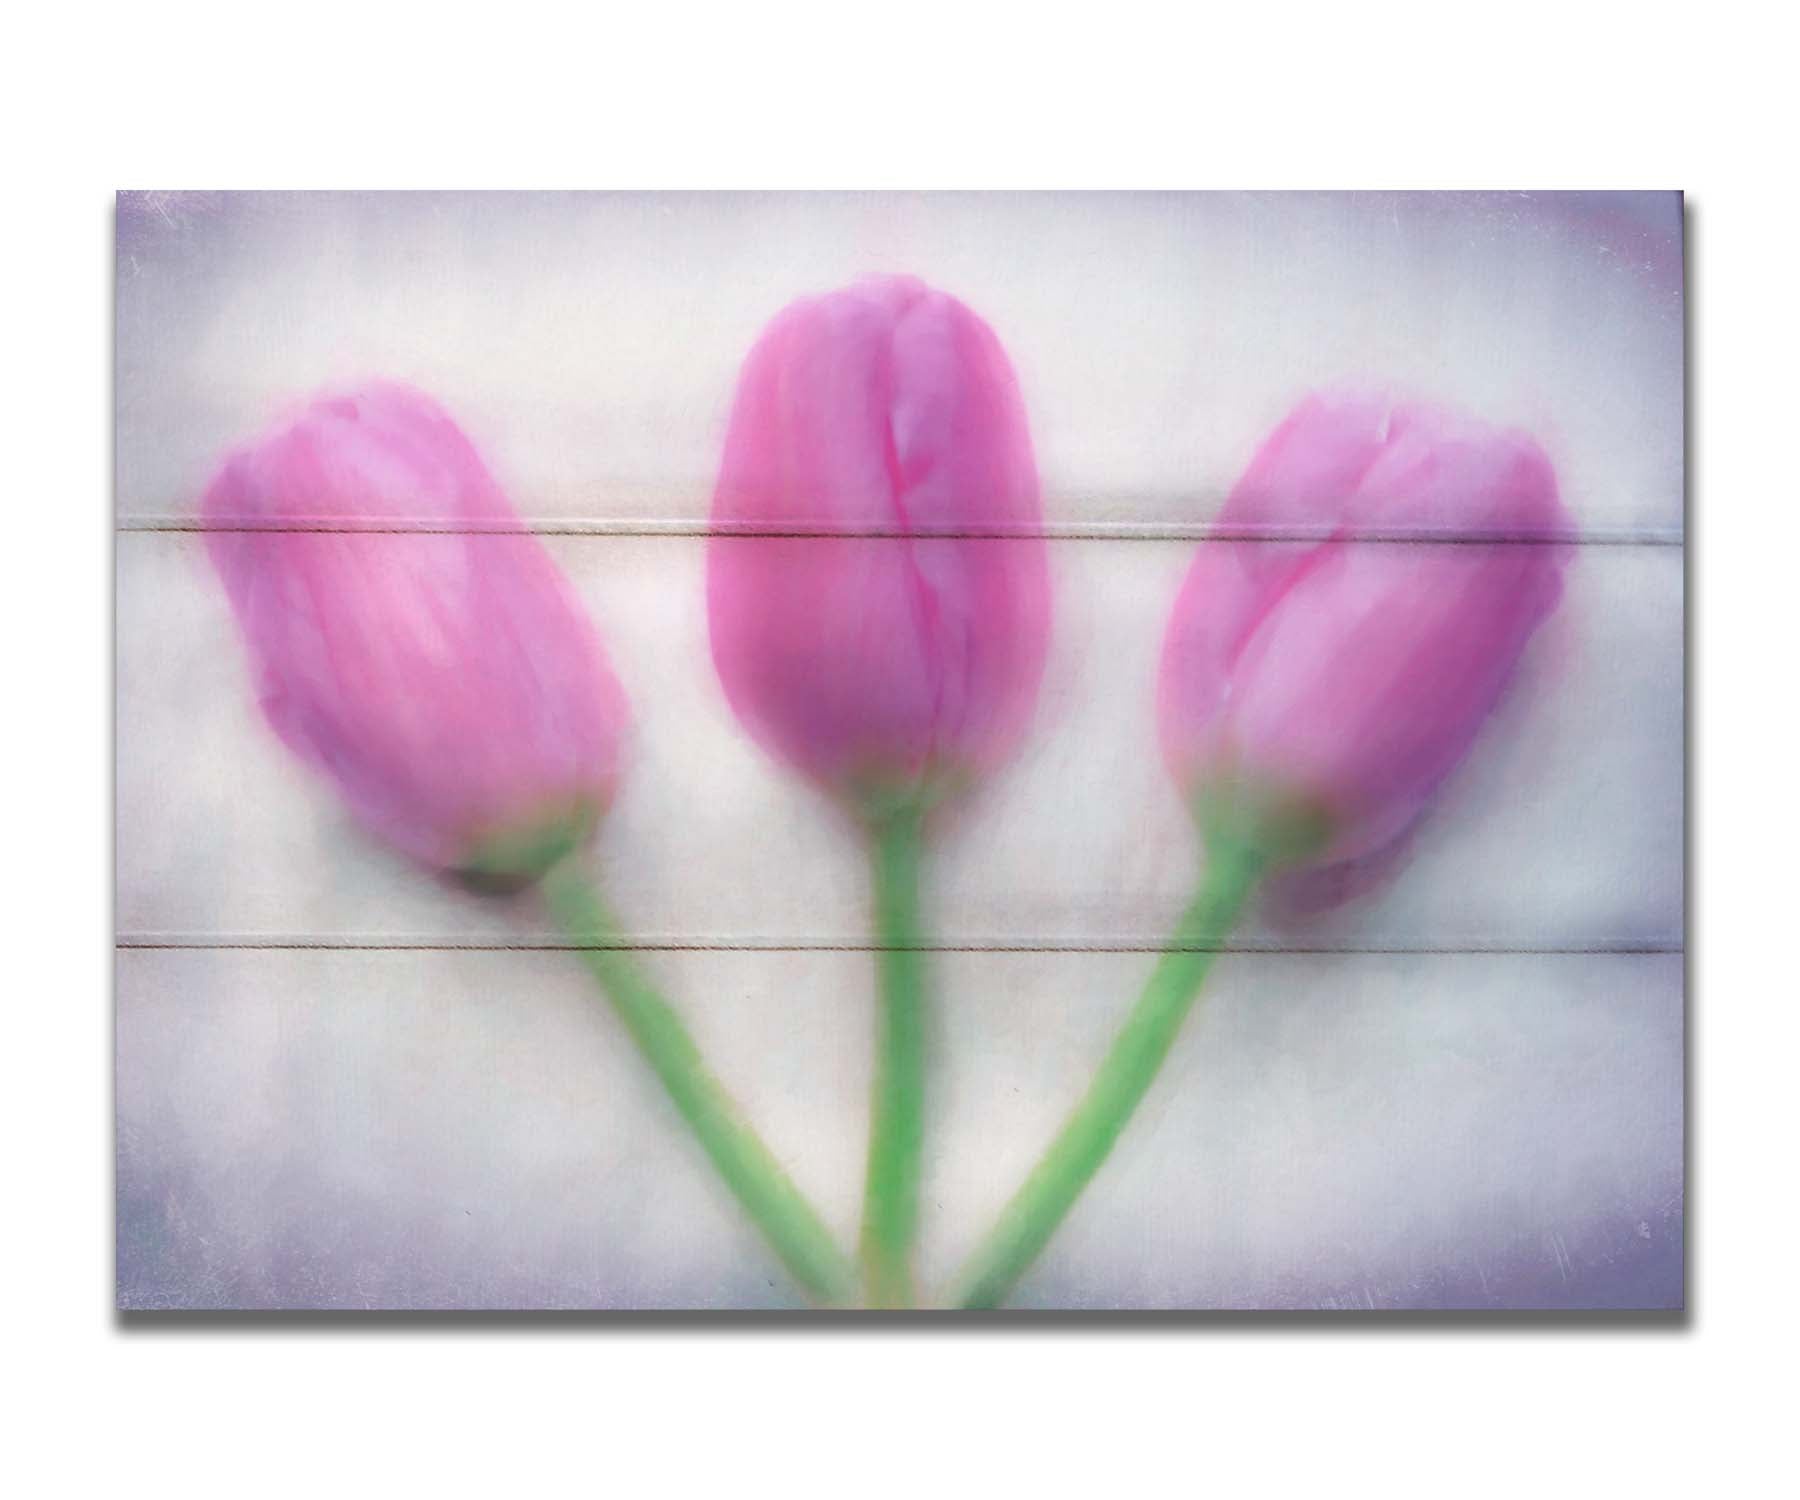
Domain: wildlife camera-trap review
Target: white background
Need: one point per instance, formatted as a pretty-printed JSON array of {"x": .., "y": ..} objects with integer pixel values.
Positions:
[{"x": 911, "y": 99}]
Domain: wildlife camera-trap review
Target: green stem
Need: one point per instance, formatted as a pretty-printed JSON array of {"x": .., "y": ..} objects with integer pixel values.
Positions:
[
  {"x": 1137, "y": 1052},
  {"x": 896, "y": 1112},
  {"x": 750, "y": 1170}
]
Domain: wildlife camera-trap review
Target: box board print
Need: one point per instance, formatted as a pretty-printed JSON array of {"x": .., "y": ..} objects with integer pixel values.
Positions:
[{"x": 721, "y": 751}]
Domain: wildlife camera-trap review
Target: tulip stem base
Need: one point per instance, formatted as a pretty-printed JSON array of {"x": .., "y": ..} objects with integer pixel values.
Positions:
[
  {"x": 1124, "y": 1077},
  {"x": 896, "y": 1112},
  {"x": 789, "y": 1223}
]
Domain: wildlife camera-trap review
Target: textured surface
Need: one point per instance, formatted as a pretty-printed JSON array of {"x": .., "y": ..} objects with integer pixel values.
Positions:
[
  {"x": 590, "y": 342},
  {"x": 1563, "y": 830},
  {"x": 336, "y": 1088},
  {"x": 441, "y": 1129}
]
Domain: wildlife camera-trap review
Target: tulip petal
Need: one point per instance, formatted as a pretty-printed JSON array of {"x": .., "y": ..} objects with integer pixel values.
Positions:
[
  {"x": 901, "y": 638},
  {"x": 447, "y": 681},
  {"x": 1351, "y": 671}
]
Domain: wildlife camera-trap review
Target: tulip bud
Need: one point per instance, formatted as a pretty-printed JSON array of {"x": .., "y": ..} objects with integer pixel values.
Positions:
[
  {"x": 1314, "y": 694},
  {"x": 877, "y": 584},
  {"x": 411, "y": 640}
]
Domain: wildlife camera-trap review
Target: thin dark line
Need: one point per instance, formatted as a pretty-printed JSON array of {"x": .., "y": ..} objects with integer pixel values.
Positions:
[
  {"x": 556, "y": 945},
  {"x": 1120, "y": 531}
]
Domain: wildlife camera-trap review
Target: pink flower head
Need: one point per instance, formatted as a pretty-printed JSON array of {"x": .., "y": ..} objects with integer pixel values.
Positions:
[
  {"x": 1319, "y": 690},
  {"x": 411, "y": 640},
  {"x": 877, "y": 585}
]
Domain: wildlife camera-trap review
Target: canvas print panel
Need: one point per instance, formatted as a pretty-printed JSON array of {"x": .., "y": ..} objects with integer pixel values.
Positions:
[{"x": 900, "y": 751}]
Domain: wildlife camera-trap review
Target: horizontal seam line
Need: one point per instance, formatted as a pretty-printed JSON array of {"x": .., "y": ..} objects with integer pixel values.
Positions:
[
  {"x": 1128, "y": 532},
  {"x": 555, "y": 946}
]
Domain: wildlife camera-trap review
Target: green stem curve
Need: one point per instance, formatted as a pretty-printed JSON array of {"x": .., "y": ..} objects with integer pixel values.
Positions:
[
  {"x": 1039, "y": 1206},
  {"x": 789, "y": 1223}
]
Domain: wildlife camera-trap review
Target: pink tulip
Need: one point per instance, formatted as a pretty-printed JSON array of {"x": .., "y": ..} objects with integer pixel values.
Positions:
[
  {"x": 411, "y": 640},
  {"x": 1323, "y": 689},
  {"x": 877, "y": 590}
]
